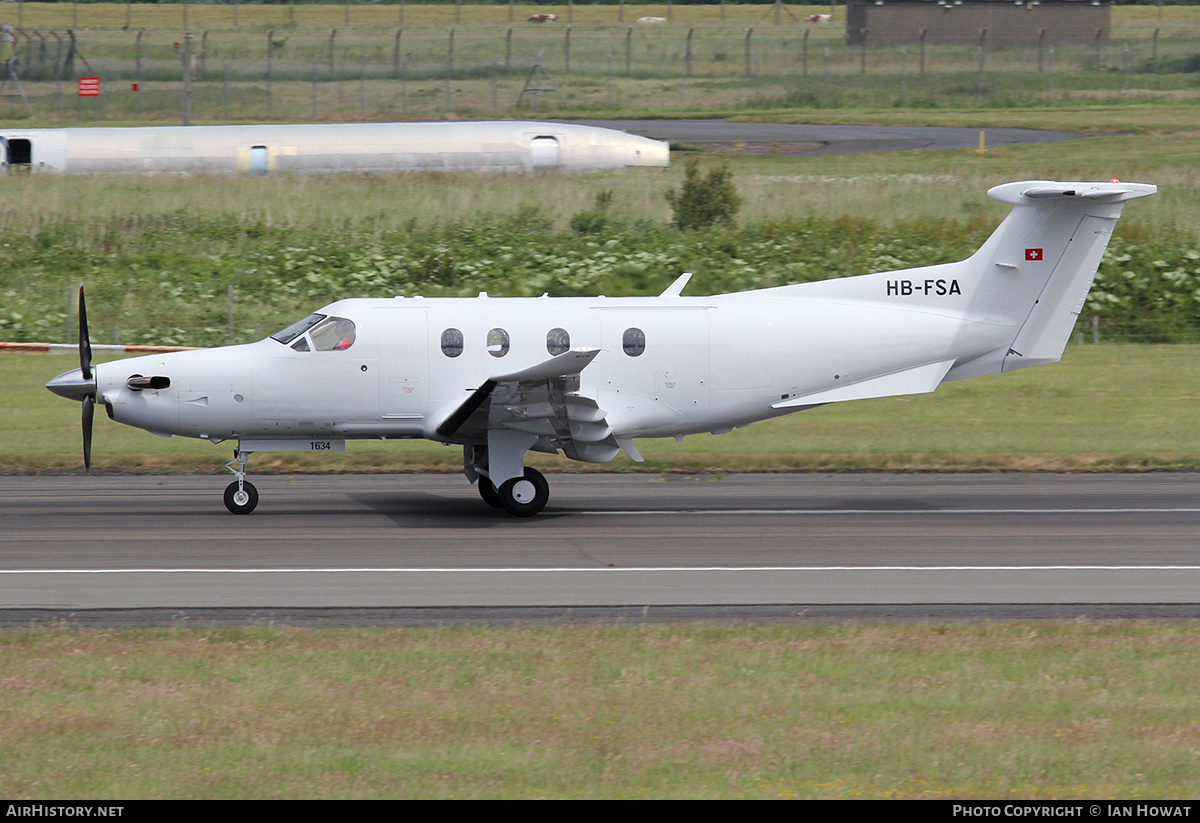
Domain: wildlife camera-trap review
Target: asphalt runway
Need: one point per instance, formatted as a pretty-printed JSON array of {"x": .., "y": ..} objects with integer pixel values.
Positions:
[
  {"x": 795, "y": 139},
  {"x": 854, "y": 545}
]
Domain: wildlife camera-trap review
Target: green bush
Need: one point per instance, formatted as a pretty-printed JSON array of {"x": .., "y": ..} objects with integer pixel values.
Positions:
[{"x": 705, "y": 201}]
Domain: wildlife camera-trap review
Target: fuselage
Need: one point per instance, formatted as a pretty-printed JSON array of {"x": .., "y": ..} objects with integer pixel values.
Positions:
[
  {"x": 667, "y": 366},
  {"x": 500, "y": 146}
]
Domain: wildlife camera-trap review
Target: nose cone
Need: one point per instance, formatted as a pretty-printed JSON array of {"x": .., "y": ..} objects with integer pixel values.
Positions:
[
  {"x": 649, "y": 152},
  {"x": 73, "y": 385}
]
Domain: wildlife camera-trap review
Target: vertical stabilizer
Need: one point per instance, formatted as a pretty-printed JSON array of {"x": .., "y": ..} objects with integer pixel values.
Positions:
[{"x": 1036, "y": 269}]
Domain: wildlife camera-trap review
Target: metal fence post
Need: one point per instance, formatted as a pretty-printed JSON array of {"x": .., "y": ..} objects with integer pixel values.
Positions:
[
  {"x": 1050, "y": 72},
  {"x": 449, "y": 68},
  {"x": 979, "y": 79},
  {"x": 825, "y": 79},
  {"x": 187, "y": 75}
]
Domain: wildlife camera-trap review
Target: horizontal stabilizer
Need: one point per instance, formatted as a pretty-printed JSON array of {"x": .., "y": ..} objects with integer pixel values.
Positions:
[
  {"x": 921, "y": 380},
  {"x": 1113, "y": 192}
]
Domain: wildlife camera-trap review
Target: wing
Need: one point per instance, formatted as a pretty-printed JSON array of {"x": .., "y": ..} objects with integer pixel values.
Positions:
[{"x": 540, "y": 401}]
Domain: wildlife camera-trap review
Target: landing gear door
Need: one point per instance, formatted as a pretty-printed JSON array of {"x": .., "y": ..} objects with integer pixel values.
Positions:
[
  {"x": 404, "y": 363},
  {"x": 3, "y": 156}
]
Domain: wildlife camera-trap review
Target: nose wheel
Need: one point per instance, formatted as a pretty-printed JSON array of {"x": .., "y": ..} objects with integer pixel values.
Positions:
[{"x": 240, "y": 496}]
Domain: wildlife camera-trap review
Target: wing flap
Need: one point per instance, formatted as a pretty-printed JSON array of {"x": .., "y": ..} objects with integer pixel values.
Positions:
[{"x": 537, "y": 401}]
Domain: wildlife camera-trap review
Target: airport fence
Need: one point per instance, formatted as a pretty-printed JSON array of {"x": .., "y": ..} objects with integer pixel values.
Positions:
[{"x": 214, "y": 70}]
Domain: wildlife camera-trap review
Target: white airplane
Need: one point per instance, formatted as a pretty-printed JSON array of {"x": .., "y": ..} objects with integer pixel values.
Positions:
[{"x": 588, "y": 376}]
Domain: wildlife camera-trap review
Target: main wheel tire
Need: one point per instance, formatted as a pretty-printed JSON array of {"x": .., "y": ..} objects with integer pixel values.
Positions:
[
  {"x": 489, "y": 494},
  {"x": 525, "y": 496},
  {"x": 242, "y": 502}
]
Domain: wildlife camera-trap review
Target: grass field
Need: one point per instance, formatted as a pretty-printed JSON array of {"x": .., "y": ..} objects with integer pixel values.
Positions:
[{"x": 1021, "y": 711}]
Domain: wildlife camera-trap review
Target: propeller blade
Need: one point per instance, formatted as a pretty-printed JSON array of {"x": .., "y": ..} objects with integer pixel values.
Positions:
[
  {"x": 88, "y": 410},
  {"x": 85, "y": 344}
]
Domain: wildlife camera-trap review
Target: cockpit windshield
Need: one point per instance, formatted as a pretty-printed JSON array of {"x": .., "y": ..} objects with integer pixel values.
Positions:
[
  {"x": 318, "y": 332},
  {"x": 298, "y": 328}
]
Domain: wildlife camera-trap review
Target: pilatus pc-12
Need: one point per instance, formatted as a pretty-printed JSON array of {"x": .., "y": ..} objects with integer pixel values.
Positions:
[{"x": 588, "y": 376}]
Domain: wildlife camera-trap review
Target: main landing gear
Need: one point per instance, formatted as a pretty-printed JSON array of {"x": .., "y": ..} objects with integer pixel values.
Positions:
[
  {"x": 240, "y": 496},
  {"x": 519, "y": 496},
  {"x": 522, "y": 496}
]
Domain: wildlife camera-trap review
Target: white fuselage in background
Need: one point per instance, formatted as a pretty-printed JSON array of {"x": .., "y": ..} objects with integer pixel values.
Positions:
[{"x": 498, "y": 146}]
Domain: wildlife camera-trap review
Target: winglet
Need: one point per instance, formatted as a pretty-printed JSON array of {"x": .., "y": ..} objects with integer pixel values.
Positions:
[{"x": 676, "y": 288}]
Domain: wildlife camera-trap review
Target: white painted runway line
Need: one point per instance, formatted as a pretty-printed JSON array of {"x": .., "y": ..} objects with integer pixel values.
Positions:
[
  {"x": 585, "y": 569},
  {"x": 827, "y": 512}
]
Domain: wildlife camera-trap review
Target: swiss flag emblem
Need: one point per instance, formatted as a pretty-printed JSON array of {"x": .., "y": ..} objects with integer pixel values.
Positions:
[{"x": 1033, "y": 254}]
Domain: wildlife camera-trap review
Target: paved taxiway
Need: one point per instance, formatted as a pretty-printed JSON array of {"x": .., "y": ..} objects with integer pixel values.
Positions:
[{"x": 427, "y": 541}]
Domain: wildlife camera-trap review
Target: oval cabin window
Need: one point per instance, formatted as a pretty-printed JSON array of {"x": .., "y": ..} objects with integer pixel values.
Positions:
[
  {"x": 634, "y": 342},
  {"x": 497, "y": 342},
  {"x": 452, "y": 342},
  {"x": 558, "y": 341}
]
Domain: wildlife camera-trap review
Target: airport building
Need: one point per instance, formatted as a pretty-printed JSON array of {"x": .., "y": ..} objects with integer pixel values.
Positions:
[{"x": 998, "y": 22}]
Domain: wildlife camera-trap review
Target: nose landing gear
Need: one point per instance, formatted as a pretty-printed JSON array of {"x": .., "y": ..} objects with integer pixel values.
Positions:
[{"x": 240, "y": 496}]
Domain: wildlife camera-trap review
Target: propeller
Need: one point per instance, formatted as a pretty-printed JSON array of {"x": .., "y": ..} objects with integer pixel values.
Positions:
[
  {"x": 85, "y": 345},
  {"x": 80, "y": 384},
  {"x": 85, "y": 367}
]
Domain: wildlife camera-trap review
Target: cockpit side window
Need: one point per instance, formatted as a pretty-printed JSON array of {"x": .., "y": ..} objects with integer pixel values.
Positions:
[
  {"x": 298, "y": 328},
  {"x": 335, "y": 334},
  {"x": 318, "y": 332}
]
